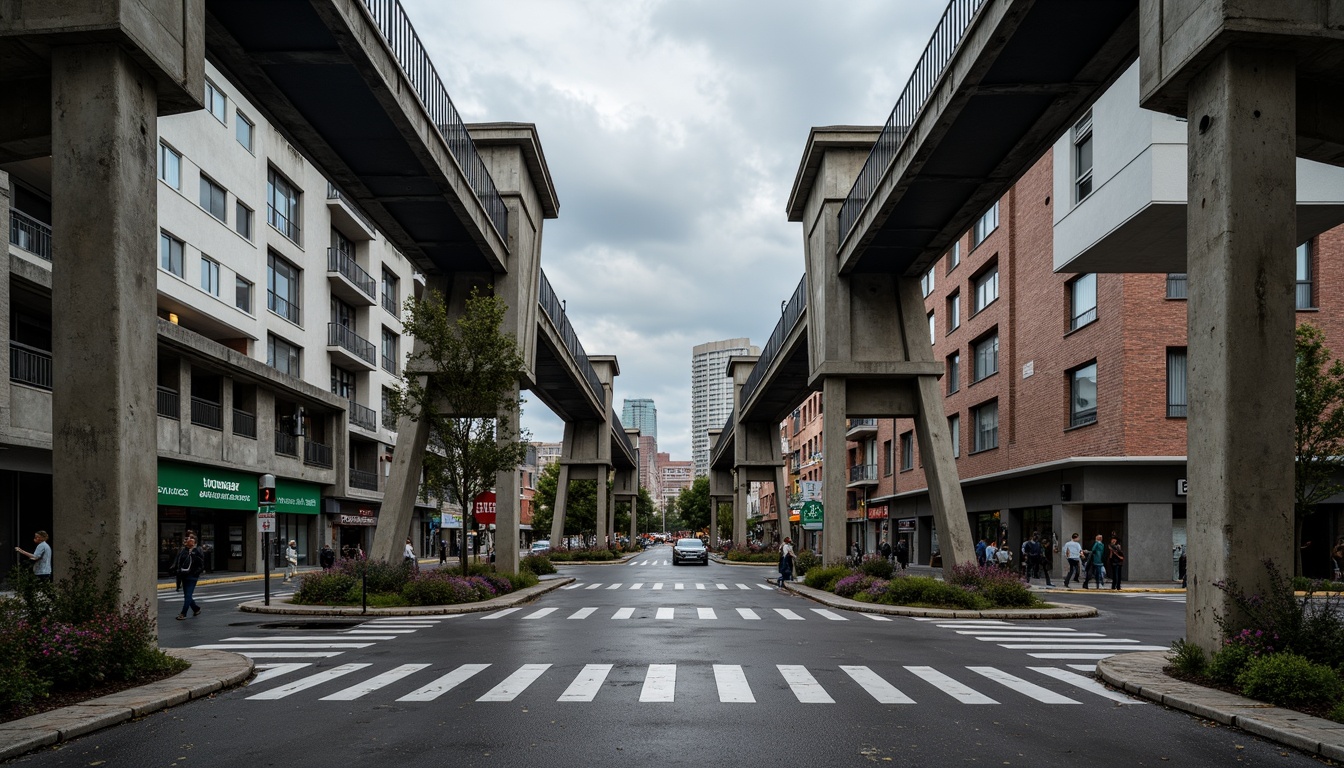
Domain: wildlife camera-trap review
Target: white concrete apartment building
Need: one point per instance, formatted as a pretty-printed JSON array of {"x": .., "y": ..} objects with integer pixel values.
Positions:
[
  {"x": 711, "y": 393},
  {"x": 279, "y": 341}
]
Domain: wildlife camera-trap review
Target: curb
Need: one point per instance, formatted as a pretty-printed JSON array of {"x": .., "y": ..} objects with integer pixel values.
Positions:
[
  {"x": 522, "y": 596},
  {"x": 1141, "y": 674},
  {"x": 835, "y": 601},
  {"x": 210, "y": 671}
]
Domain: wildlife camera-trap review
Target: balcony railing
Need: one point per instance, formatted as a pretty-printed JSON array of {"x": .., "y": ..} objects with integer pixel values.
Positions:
[
  {"x": 405, "y": 45},
  {"x": 316, "y": 454},
  {"x": 207, "y": 414},
  {"x": 286, "y": 226},
  {"x": 340, "y": 336},
  {"x": 928, "y": 71},
  {"x": 389, "y": 365},
  {"x": 863, "y": 473},
  {"x": 283, "y": 307},
  {"x": 29, "y": 234},
  {"x": 29, "y": 365},
  {"x": 340, "y": 261},
  {"x": 861, "y": 425},
  {"x": 390, "y": 304},
  {"x": 286, "y": 444},
  {"x": 335, "y": 194},
  {"x": 555, "y": 310},
  {"x": 361, "y": 479},
  {"x": 244, "y": 424},
  {"x": 389, "y": 421},
  {"x": 168, "y": 403},
  {"x": 792, "y": 312},
  {"x": 364, "y": 417}
]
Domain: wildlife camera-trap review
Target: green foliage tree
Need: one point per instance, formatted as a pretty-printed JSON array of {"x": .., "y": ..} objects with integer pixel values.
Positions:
[
  {"x": 724, "y": 519},
  {"x": 1318, "y": 436},
  {"x": 580, "y": 504},
  {"x": 463, "y": 378},
  {"x": 693, "y": 505}
]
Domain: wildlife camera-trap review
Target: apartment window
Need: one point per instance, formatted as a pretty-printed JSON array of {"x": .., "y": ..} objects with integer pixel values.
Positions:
[
  {"x": 282, "y": 288},
  {"x": 1176, "y": 287},
  {"x": 954, "y": 430},
  {"x": 907, "y": 451},
  {"x": 242, "y": 294},
  {"x": 390, "y": 351},
  {"x": 953, "y": 372},
  {"x": 390, "y": 292},
  {"x": 954, "y": 312},
  {"x": 926, "y": 283},
  {"x": 242, "y": 129},
  {"x": 170, "y": 254},
  {"x": 986, "y": 418},
  {"x": 242, "y": 219},
  {"x": 342, "y": 382},
  {"x": 170, "y": 166},
  {"x": 986, "y": 286},
  {"x": 282, "y": 205},
  {"x": 887, "y": 459},
  {"x": 209, "y": 275},
  {"x": 215, "y": 101},
  {"x": 282, "y": 356},
  {"x": 1083, "y": 301},
  {"x": 1083, "y": 395},
  {"x": 213, "y": 198},
  {"x": 1304, "y": 276},
  {"x": 1176, "y": 383},
  {"x": 985, "y": 225},
  {"x": 986, "y": 357},
  {"x": 1082, "y": 157},
  {"x": 932, "y": 329},
  {"x": 954, "y": 256}
]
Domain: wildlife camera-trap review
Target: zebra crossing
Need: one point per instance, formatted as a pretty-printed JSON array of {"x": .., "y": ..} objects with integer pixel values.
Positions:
[
  {"x": 1044, "y": 642},
  {"x": 275, "y": 653},
  {"x": 672, "y": 613},
  {"x": 662, "y": 683},
  {"x": 700, "y": 586},
  {"x": 228, "y": 597},
  {"x": 639, "y": 562}
]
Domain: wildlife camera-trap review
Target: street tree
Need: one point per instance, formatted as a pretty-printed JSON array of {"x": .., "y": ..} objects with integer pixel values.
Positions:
[
  {"x": 463, "y": 379},
  {"x": 724, "y": 520},
  {"x": 1318, "y": 436},
  {"x": 693, "y": 505},
  {"x": 580, "y": 504},
  {"x": 644, "y": 510}
]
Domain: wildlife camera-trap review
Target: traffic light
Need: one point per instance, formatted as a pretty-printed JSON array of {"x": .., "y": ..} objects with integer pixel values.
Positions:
[{"x": 266, "y": 491}]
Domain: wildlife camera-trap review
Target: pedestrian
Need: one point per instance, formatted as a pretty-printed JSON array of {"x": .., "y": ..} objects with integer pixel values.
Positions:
[
  {"x": 785, "y": 561},
  {"x": 1180, "y": 564},
  {"x": 1117, "y": 561},
  {"x": 991, "y": 554},
  {"x": 903, "y": 553},
  {"x": 408, "y": 555},
  {"x": 291, "y": 561},
  {"x": 1094, "y": 563},
  {"x": 443, "y": 551},
  {"x": 1073, "y": 552},
  {"x": 1004, "y": 556},
  {"x": 1047, "y": 557},
  {"x": 41, "y": 556},
  {"x": 174, "y": 569},
  {"x": 1031, "y": 553},
  {"x": 190, "y": 563},
  {"x": 327, "y": 557},
  {"x": 885, "y": 549},
  {"x": 980, "y": 547}
]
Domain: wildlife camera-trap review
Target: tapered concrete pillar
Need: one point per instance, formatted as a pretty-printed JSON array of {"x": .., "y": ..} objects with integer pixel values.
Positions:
[
  {"x": 1240, "y": 231},
  {"x": 508, "y": 488},
  {"x": 558, "y": 514},
  {"x": 603, "y": 527},
  {"x": 782, "y": 502},
  {"x": 834, "y": 472},
  {"x": 741, "y": 499},
  {"x": 104, "y": 148}
]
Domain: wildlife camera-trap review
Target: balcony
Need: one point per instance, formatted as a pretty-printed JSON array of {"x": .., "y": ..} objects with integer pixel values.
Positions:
[
  {"x": 29, "y": 365},
  {"x": 316, "y": 454},
  {"x": 343, "y": 212},
  {"x": 244, "y": 424},
  {"x": 29, "y": 234},
  {"x": 168, "y": 403},
  {"x": 862, "y": 474},
  {"x": 362, "y": 417},
  {"x": 344, "y": 343},
  {"x": 861, "y": 428},
  {"x": 367, "y": 481},
  {"x": 349, "y": 281},
  {"x": 283, "y": 307},
  {"x": 207, "y": 414},
  {"x": 286, "y": 444}
]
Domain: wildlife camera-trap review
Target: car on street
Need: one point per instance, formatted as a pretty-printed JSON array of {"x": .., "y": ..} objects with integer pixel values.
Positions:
[
  {"x": 540, "y": 547},
  {"x": 690, "y": 551}
]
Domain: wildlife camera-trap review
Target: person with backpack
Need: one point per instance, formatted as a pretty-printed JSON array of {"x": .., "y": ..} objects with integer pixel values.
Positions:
[
  {"x": 785, "y": 561},
  {"x": 190, "y": 564}
]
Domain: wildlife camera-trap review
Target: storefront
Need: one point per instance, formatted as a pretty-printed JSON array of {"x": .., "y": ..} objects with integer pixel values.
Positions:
[
  {"x": 296, "y": 513},
  {"x": 219, "y": 505},
  {"x": 877, "y": 527},
  {"x": 352, "y": 524}
]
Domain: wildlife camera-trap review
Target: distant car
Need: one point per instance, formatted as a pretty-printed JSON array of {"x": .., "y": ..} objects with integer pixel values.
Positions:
[
  {"x": 540, "y": 547},
  {"x": 690, "y": 551}
]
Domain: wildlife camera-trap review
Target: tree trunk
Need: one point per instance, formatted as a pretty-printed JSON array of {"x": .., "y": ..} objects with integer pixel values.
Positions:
[
  {"x": 467, "y": 520},
  {"x": 1297, "y": 550}
]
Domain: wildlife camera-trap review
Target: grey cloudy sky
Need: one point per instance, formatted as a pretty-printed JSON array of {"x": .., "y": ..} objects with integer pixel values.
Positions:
[{"x": 673, "y": 130}]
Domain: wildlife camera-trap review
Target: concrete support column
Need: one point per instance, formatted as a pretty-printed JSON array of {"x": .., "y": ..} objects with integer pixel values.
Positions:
[
  {"x": 1067, "y": 520},
  {"x": 104, "y": 455},
  {"x": 603, "y": 527},
  {"x": 558, "y": 514},
  {"x": 508, "y": 487},
  {"x": 782, "y": 503},
  {"x": 1241, "y": 235},
  {"x": 741, "y": 500},
  {"x": 834, "y": 472},
  {"x": 1148, "y": 544},
  {"x": 403, "y": 484},
  {"x": 634, "y": 516}
]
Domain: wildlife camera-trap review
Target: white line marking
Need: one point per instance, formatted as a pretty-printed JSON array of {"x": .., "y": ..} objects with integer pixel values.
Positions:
[
  {"x": 679, "y": 585},
  {"x": 308, "y": 682},
  {"x": 516, "y": 683},
  {"x": 833, "y": 616},
  {"x": 586, "y": 684},
  {"x": 594, "y": 586},
  {"x": 1079, "y": 656},
  {"x": 660, "y": 683},
  {"x": 1086, "y": 683},
  {"x": 879, "y": 689},
  {"x": 664, "y": 613},
  {"x": 804, "y": 685},
  {"x": 732, "y": 682},
  {"x": 744, "y": 586},
  {"x": 624, "y": 613},
  {"x": 721, "y": 586},
  {"x": 962, "y": 693},
  {"x": 298, "y": 639},
  {"x": 1083, "y": 667},
  {"x": 583, "y": 613},
  {"x": 617, "y": 585},
  {"x": 444, "y": 684},
  {"x": 875, "y": 617},
  {"x": 540, "y": 614},
  {"x": 748, "y": 614},
  {"x": 571, "y": 586},
  {"x": 277, "y": 646},
  {"x": 374, "y": 683},
  {"x": 1082, "y": 647},
  {"x": 637, "y": 585},
  {"x": 658, "y": 585},
  {"x": 788, "y": 614},
  {"x": 767, "y": 586},
  {"x": 371, "y": 633},
  {"x": 1015, "y": 683},
  {"x": 706, "y": 613},
  {"x": 274, "y": 669},
  {"x": 699, "y": 586},
  {"x": 500, "y": 614},
  {"x": 289, "y": 654}
]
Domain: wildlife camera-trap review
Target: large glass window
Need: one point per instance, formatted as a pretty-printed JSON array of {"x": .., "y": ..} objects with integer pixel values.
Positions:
[
  {"x": 390, "y": 297},
  {"x": 282, "y": 356},
  {"x": 1176, "y": 383},
  {"x": 953, "y": 372},
  {"x": 954, "y": 430},
  {"x": 887, "y": 459},
  {"x": 282, "y": 288},
  {"x": 986, "y": 357},
  {"x": 242, "y": 129},
  {"x": 215, "y": 103},
  {"x": 282, "y": 205},
  {"x": 986, "y": 286},
  {"x": 954, "y": 312},
  {"x": 926, "y": 282},
  {"x": 170, "y": 166},
  {"x": 390, "y": 351},
  {"x": 342, "y": 382},
  {"x": 170, "y": 254},
  {"x": 933, "y": 332},
  {"x": 1082, "y": 157},
  {"x": 986, "y": 418},
  {"x": 985, "y": 225},
  {"x": 1304, "y": 276},
  {"x": 242, "y": 219},
  {"x": 1083, "y": 395},
  {"x": 1083, "y": 301},
  {"x": 907, "y": 451},
  {"x": 954, "y": 256},
  {"x": 242, "y": 294},
  {"x": 209, "y": 275},
  {"x": 213, "y": 198}
]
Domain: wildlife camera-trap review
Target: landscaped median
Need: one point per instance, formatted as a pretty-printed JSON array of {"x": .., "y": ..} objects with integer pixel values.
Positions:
[{"x": 518, "y": 597}]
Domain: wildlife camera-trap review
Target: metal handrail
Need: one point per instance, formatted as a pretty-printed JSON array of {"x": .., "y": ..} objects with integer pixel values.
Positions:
[
  {"x": 341, "y": 262},
  {"x": 244, "y": 424},
  {"x": 364, "y": 479},
  {"x": 390, "y": 304},
  {"x": 317, "y": 454},
  {"x": 286, "y": 444},
  {"x": 30, "y": 365},
  {"x": 29, "y": 234},
  {"x": 862, "y": 473},
  {"x": 619, "y": 428},
  {"x": 792, "y": 312},
  {"x": 333, "y": 193},
  {"x": 206, "y": 413},
  {"x": 405, "y": 45},
  {"x": 168, "y": 402},
  {"x": 928, "y": 71},
  {"x": 555, "y": 310},
  {"x": 340, "y": 336},
  {"x": 726, "y": 434},
  {"x": 283, "y": 307},
  {"x": 363, "y": 416}
]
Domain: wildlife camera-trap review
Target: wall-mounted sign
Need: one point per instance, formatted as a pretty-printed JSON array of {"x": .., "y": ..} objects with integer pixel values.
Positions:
[
  {"x": 905, "y": 525},
  {"x": 877, "y": 511},
  {"x": 811, "y": 515},
  {"x": 1181, "y": 487},
  {"x": 1028, "y": 369}
]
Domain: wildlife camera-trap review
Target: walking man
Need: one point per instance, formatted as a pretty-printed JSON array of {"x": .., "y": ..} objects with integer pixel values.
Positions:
[
  {"x": 291, "y": 561},
  {"x": 190, "y": 564},
  {"x": 1117, "y": 561},
  {"x": 903, "y": 553},
  {"x": 1094, "y": 562},
  {"x": 1031, "y": 551},
  {"x": 991, "y": 554},
  {"x": 785, "y": 561},
  {"x": 1073, "y": 552},
  {"x": 41, "y": 556},
  {"x": 980, "y": 547}
]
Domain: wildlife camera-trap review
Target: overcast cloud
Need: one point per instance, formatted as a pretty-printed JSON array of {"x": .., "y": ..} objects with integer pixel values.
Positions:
[{"x": 673, "y": 130}]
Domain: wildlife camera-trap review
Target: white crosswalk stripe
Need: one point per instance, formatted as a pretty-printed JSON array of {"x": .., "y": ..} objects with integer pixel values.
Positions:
[
  {"x": 617, "y": 585},
  {"x": 308, "y": 682},
  {"x": 660, "y": 683},
  {"x": 679, "y": 585},
  {"x": 766, "y": 586},
  {"x": 744, "y": 586},
  {"x": 804, "y": 685},
  {"x": 540, "y": 614},
  {"x": 879, "y": 689},
  {"x": 587, "y": 684},
  {"x": 583, "y": 613},
  {"x": 624, "y": 613},
  {"x": 962, "y": 693},
  {"x": 721, "y": 586},
  {"x": 790, "y": 615},
  {"x": 500, "y": 614},
  {"x": 374, "y": 683},
  {"x": 876, "y": 617},
  {"x": 832, "y": 615},
  {"x": 665, "y": 613},
  {"x": 1015, "y": 683},
  {"x": 1086, "y": 683},
  {"x": 593, "y": 586},
  {"x": 732, "y": 683},
  {"x": 658, "y": 585},
  {"x": 575, "y": 585},
  {"x": 637, "y": 585},
  {"x": 1060, "y": 643},
  {"x": 748, "y": 614},
  {"x": 705, "y": 613},
  {"x": 699, "y": 586},
  {"x": 445, "y": 683},
  {"x": 273, "y": 669},
  {"x": 516, "y": 683}
]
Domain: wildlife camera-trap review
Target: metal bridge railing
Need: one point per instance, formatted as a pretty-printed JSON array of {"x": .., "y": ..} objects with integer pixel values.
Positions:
[
  {"x": 792, "y": 311},
  {"x": 942, "y": 46},
  {"x": 555, "y": 310},
  {"x": 620, "y": 430},
  {"x": 401, "y": 38},
  {"x": 726, "y": 434}
]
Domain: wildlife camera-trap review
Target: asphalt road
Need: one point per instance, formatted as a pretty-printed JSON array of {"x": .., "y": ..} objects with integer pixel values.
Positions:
[{"x": 676, "y": 665}]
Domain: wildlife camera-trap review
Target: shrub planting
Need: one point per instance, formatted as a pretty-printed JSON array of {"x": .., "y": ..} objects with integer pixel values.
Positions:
[
  {"x": 877, "y": 566},
  {"x": 1290, "y": 680},
  {"x": 539, "y": 565},
  {"x": 825, "y": 578}
]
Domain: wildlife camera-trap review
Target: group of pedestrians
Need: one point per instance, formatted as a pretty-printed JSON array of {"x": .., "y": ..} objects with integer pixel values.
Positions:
[
  {"x": 901, "y": 553},
  {"x": 1096, "y": 562}
]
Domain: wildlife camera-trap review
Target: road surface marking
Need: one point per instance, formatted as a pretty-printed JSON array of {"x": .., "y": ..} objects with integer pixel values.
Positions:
[
  {"x": 308, "y": 682},
  {"x": 1086, "y": 683},
  {"x": 582, "y": 613},
  {"x": 732, "y": 682},
  {"x": 660, "y": 683},
  {"x": 788, "y": 614},
  {"x": 706, "y": 613},
  {"x": 804, "y": 685},
  {"x": 275, "y": 670},
  {"x": 516, "y": 683},
  {"x": 540, "y": 614},
  {"x": 624, "y": 613},
  {"x": 879, "y": 689},
  {"x": 962, "y": 693},
  {"x": 587, "y": 683},
  {"x": 1015, "y": 683},
  {"x": 500, "y": 614},
  {"x": 374, "y": 683},
  {"x": 664, "y": 613},
  {"x": 444, "y": 684},
  {"x": 748, "y": 614}
]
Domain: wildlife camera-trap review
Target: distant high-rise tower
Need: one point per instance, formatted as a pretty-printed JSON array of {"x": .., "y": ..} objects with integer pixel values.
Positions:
[
  {"x": 712, "y": 393},
  {"x": 642, "y": 415}
]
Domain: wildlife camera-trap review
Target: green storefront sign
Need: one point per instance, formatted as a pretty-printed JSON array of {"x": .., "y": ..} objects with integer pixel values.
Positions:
[
  {"x": 295, "y": 498},
  {"x": 183, "y": 485},
  {"x": 810, "y": 516}
]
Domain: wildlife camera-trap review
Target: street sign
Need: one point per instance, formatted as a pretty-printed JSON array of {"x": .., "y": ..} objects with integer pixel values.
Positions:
[
  {"x": 265, "y": 522},
  {"x": 811, "y": 515}
]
